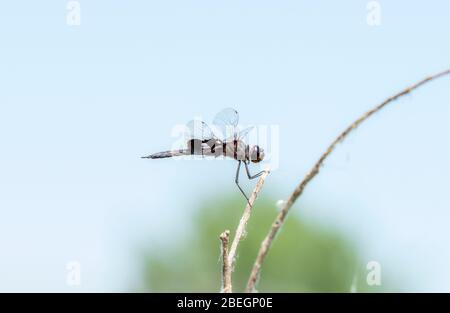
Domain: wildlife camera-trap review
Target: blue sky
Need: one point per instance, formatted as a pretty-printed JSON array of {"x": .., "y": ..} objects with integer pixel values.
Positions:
[{"x": 80, "y": 104}]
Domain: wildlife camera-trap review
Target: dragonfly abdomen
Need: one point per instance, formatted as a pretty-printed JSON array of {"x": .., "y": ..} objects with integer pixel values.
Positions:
[{"x": 166, "y": 154}]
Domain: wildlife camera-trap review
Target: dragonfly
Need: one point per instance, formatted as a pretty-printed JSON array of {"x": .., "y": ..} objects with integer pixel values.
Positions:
[{"x": 203, "y": 141}]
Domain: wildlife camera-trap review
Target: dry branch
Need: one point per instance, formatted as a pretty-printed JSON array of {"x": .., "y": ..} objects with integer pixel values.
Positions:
[
  {"x": 240, "y": 231},
  {"x": 276, "y": 225},
  {"x": 228, "y": 257},
  {"x": 226, "y": 268}
]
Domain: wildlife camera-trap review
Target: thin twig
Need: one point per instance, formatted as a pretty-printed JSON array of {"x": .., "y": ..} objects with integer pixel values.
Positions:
[
  {"x": 276, "y": 225},
  {"x": 226, "y": 268},
  {"x": 240, "y": 231}
]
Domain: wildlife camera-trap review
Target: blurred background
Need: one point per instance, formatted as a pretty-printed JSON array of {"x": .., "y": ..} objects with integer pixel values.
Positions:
[{"x": 88, "y": 87}]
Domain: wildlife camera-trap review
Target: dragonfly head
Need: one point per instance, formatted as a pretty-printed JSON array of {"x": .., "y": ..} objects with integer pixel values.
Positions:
[{"x": 256, "y": 154}]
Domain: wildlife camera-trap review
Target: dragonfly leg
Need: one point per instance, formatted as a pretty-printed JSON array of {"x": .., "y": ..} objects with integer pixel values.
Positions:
[
  {"x": 237, "y": 181},
  {"x": 250, "y": 175}
]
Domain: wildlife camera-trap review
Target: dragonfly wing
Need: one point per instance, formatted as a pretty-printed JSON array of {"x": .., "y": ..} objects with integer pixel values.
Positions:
[
  {"x": 199, "y": 134},
  {"x": 199, "y": 130},
  {"x": 226, "y": 122},
  {"x": 240, "y": 135},
  {"x": 243, "y": 133}
]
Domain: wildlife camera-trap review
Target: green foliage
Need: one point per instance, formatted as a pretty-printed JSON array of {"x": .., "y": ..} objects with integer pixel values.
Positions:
[{"x": 305, "y": 257}]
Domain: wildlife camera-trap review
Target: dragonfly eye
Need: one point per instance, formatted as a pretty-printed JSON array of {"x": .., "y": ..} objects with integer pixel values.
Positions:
[{"x": 256, "y": 154}]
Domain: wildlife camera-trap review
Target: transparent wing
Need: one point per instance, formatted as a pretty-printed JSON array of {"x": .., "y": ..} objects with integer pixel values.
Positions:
[
  {"x": 226, "y": 122},
  {"x": 199, "y": 130},
  {"x": 243, "y": 133},
  {"x": 240, "y": 135},
  {"x": 228, "y": 116}
]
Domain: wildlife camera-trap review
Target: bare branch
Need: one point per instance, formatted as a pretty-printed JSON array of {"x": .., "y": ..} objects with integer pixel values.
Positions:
[
  {"x": 226, "y": 268},
  {"x": 240, "y": 231},
  {"x": 229, "y": 256},
  {"x": 276, "y": 225}
]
